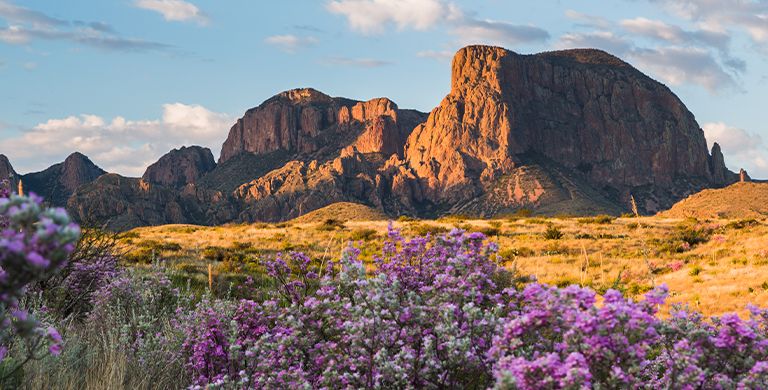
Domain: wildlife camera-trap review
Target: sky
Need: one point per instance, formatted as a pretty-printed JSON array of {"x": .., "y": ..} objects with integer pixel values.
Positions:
[{"x": 125, "y": 81}]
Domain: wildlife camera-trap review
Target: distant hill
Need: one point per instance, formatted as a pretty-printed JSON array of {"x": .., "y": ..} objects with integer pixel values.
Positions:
[
  {"x": 343, "y": 211},
  {"x": 739, "y": 200}
]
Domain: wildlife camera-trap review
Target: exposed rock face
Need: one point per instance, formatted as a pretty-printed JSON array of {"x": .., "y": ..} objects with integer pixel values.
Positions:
[
  {"x": 567, "y": 132},
  {"x": 121, "y": 203},
  {"x": 584, "y": 110},
  {"x": 180, "y": 167},
  {"x": 717, "y": 165},
  {"x": 57, "y": 183},
  {"x": 306, "y": 122},
  {"x": 6, "y": 170}
]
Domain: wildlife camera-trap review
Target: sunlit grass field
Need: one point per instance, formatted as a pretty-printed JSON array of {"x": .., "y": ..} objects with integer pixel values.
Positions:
[{"x": 715, "y": 266}]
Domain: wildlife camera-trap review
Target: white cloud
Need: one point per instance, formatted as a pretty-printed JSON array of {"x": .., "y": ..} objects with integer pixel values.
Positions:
[
  {"x": 290, "y": 43},
  {"x": 474, "y": 31},
  {"x": 174, "y": 10},
  {"x": 14, "y": 35},
  {"x": 741, "y": 148},
  {"x": 373, "y": 16},
  {"x": 118, "y": 145},
  {"x": 675, "y": 34},
  {"x": 356, "y": 62},
  {"x": 681, "y": 65},
  {"x": 604, "y": 40},
  {"x": 723, "y": 15},
  {"x": 25, "y": 25}
]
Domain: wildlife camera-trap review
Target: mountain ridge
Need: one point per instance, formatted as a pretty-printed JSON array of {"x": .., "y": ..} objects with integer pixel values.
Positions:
[{"x": 575, "y": 131}]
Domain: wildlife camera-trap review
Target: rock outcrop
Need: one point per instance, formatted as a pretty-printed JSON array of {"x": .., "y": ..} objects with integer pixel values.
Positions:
[
  {"x": 6, "y": 170},
  {"x": 58, "y": 182},
  {"x": 180, "y": 167},
  {"x": 584, "y": 110},
  {"x": 309, "y": 124},
  {"x": 565, "y": 132}
]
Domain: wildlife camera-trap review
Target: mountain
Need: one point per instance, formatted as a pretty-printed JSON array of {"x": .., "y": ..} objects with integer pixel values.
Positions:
[
  {"x": 58, "y": 182},
  {"x": 586, "y": 120},
  {"x": 180, "y": 167},
  {"x": 564, "y": 132},
  {"x": 7, "y": 172}
]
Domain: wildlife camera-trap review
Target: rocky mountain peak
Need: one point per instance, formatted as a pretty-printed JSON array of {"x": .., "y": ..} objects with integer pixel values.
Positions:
[
  {"x": 304, "y": 96},
  {"x": 180, "y": 167},
  {"x": 584, "y": 110},
  {"x": 305, "y": 123},
  {"x": 7, "y": 172}
]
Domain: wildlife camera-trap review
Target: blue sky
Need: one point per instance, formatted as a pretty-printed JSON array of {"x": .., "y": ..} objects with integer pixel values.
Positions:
[{"x": 124, "y": 81}]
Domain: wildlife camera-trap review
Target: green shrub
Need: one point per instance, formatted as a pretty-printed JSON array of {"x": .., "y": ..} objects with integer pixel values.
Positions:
[
  {"x": 242, "y": 246},
  {"x": 742, "y": 223},
  {"x": 214, "y": 253},
  {"x": 406, "y": 218},
  {"x": 363, "y": 235},
  {"x": 553, "y": 233},
  {"x": 695, "y": 270},
  {"x": 140, "y": 256},
  {"x": 330, "y": 224},
  {"x": 488, "y": 231},
  {"x": 692, "y": 234},
  {"x": 423, "y": 229},
  {"x": 598, "y": 219},
  {"x": 187, "y": 267}
]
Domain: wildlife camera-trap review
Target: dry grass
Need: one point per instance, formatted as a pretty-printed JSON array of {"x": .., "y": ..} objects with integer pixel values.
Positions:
[
  {"x": 739, "y": 200},
  {"x": 733, "y": 264}
]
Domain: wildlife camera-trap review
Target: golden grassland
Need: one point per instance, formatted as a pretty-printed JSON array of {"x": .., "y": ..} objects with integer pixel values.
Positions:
[{"x": 713, "y": 265}]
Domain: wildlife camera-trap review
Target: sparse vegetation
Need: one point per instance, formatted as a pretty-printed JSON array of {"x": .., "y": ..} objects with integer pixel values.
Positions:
[{"x": 553, "y": 233}]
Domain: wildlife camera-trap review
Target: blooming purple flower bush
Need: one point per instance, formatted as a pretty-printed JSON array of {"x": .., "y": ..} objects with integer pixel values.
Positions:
[
  {"x": 439, "y": 313},
  {"x": 34, "y": 244}
]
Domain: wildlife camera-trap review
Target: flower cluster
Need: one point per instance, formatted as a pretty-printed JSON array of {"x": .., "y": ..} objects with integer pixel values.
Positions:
[
  {"x": 439, "y": 313},
  {"x": 34, "y": 244}
]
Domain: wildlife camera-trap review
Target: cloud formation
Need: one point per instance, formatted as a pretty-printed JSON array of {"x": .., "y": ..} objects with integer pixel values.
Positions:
[
  {"x": 699, "y": 56},
  {"x": 118, "y": 145},
  {"x": 682, "y": 65},
  {"x": 724, "y": 15},
  {"x": 25, "y": 26},
  {"x": 356, "y": 62},
  {"x": 375, "y": 16},
  {"x": 290, "y": 43},
  {"x": 741, "y": 148},
  {"x": 485, "y": 31},
  {"x": 174, "y": 10}
]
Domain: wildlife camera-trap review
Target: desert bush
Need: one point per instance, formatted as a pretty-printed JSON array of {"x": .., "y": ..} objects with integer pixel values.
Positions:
[
  {"x": 553, "y": 233},
  {"x": 363, "y": 235},
  {"x": 215, "y": 253},
  {"x": 140, "y": 256},
  {"x": 742, "y": 223},
  {"x": 331, "y": 224},
  {"x": 422, "y": 229},
  {"x": 598, "y": 219},
  {"x": 692, "y": 234},
  {"x": 695, "y": 270}
]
